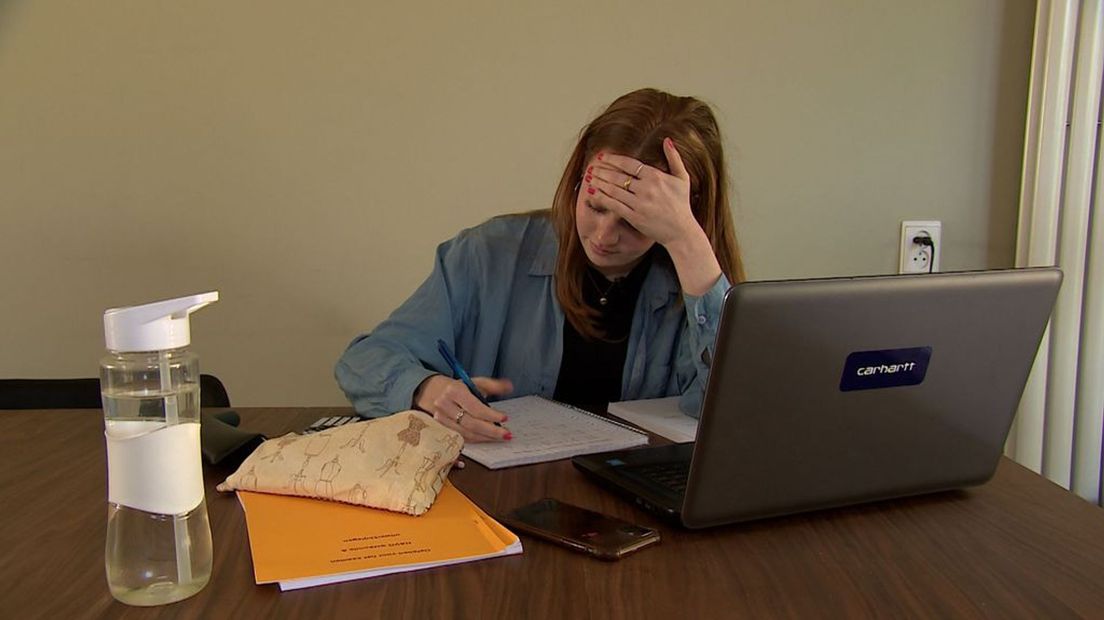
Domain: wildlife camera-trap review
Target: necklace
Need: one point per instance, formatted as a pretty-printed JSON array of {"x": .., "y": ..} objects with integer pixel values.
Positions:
[{"x": 603, "y": 297}]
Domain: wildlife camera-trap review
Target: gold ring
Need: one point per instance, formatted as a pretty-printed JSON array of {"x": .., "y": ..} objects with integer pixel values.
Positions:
[
  {"x": 626, "y": 184},
  {"x": 460, "y": 416},
  {"x": 637, "y": 173}
]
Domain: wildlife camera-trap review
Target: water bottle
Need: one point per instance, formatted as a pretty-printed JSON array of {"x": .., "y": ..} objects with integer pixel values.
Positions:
[{"x": 158, "y": 536}]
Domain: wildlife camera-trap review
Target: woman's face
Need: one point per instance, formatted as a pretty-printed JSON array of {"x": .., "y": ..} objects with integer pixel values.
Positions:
[{"x": 612, "y": 246}]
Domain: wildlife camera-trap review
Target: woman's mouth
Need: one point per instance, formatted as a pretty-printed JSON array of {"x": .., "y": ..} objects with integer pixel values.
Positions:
[{"x": 601, "y": 250}]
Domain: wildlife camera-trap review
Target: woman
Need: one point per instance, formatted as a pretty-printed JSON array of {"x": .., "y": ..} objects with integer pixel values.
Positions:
[{"x": 612, "y": 294}]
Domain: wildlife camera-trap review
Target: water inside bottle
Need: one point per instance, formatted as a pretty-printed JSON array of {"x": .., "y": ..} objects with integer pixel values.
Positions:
[
  {"x": 153, "y": 558},
  {"x": 146, "y": 404},
  {"x": 141, "y": 559}
]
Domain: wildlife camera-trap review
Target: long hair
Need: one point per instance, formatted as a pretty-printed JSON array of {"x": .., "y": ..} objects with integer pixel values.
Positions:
[{"x": 635, "y": 125}]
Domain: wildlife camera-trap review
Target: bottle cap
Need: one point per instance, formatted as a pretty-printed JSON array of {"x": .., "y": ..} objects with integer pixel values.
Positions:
[{"x": 155, "y": 326}]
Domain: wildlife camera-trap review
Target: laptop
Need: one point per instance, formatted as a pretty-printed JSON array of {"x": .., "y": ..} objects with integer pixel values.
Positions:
[{"x": 830, "y": 392}]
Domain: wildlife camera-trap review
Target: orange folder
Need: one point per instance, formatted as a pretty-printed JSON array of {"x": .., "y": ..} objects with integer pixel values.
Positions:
[{"x": 300, "y": 542}]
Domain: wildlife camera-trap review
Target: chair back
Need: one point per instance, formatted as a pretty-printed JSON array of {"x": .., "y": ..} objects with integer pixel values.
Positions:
[{"x": 85, "y": 393}]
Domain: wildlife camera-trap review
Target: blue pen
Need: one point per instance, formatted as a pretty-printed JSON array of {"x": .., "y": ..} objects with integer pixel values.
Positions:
[
  {"x": 460, "y": 373},
  {"x": 458, "y": 370}
]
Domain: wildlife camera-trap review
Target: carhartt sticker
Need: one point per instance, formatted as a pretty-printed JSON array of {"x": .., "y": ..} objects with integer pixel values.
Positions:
[{"x": 871, "y": 370}]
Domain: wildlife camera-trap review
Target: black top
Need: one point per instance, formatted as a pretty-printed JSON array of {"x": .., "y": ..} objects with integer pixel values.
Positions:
[{"x": 591, "y": 370}]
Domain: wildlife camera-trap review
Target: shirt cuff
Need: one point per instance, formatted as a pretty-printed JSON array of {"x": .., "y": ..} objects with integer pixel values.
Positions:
[
  {"x": 705, "y": 310},
  {"x": 400, "y": 395}
]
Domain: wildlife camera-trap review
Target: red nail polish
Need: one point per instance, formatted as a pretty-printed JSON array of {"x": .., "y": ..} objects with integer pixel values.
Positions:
[
  {"x": 590, "y": 169},
  {"x": 508, "y": 436},
  {"x": 587, "y": 179},
  {"x": 600, "y": 156},
  {"x": 590, "y": 190},
  {"x": 505, "y": 417}
]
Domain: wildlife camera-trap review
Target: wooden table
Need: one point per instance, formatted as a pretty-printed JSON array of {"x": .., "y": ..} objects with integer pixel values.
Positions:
[{"x": 1018, "y": 546}]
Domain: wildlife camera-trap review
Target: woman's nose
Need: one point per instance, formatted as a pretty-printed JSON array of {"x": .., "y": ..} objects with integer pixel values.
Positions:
[{"x": 607, "y": 233}]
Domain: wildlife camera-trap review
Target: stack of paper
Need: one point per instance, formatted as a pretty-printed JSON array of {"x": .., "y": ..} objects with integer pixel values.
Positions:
[
  {"x": 659, "y": 415},
  {"x": 300, "y": 542}
]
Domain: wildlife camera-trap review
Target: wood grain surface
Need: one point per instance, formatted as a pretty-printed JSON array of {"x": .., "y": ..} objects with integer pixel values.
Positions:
[{"x": 1018, "y": 546}]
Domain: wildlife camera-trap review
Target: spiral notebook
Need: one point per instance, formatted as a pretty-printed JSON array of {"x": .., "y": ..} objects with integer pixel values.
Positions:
[{"x": 545, "y": 430}]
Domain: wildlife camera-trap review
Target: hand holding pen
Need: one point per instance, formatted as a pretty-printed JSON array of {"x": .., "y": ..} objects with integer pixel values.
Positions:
[{"x": 460, "y": 404}]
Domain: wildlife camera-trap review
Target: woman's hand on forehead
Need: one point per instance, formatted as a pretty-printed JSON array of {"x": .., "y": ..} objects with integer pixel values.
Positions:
[{"x": 652, "y": 201}]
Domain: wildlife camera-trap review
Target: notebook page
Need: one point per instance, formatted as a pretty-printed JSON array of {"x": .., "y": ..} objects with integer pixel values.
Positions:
[{"x": 544, "y": 430}]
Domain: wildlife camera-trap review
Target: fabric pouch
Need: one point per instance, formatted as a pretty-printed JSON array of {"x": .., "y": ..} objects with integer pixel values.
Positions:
[{"x": 397, "y": 463}]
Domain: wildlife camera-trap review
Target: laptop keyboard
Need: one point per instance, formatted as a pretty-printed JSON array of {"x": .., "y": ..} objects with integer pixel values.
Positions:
[{"x": 672, "y": 474}]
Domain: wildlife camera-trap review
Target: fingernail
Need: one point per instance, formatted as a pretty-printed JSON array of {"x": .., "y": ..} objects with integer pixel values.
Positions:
[
  {"x": 508, "y": 436},
  {"x": 669, "y": 142},
  {"x": 504, "y": 418},
  {"x": 587, "y": 179},
  {"x": 600, "y": 154},
  {"x": 590, "y": 190},
  {"x": 590, "y": 169}
]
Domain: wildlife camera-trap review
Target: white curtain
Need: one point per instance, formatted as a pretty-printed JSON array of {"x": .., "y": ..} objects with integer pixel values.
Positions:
[{"x": 1061, "y": 418}]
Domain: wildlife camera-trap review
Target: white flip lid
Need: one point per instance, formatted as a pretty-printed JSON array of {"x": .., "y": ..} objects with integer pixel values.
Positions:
[{"x": 155, "y": 326}]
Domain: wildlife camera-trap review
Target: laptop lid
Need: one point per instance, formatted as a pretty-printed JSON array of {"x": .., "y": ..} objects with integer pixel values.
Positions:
[{"x": 837, "y": 391}]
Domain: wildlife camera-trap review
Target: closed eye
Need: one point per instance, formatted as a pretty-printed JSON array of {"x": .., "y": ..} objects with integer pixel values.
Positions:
[{"x": 603, "y": 210}]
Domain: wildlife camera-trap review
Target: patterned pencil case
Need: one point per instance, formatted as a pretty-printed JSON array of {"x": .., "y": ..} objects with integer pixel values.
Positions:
[{"x": 398, "y": 463}]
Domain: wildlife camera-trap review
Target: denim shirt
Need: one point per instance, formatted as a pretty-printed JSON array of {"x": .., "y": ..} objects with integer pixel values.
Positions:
[{"x": 491, "y": 297}]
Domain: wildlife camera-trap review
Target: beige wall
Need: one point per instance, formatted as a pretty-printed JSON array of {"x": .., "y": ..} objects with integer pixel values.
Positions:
[{"x": 305, "y": 158}]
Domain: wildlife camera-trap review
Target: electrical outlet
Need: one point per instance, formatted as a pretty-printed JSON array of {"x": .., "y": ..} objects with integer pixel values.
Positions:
[{"x": 918, "y": 257}]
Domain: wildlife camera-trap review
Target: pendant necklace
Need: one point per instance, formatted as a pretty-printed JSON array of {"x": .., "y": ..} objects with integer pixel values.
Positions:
[{"x": 603, "y": 297}]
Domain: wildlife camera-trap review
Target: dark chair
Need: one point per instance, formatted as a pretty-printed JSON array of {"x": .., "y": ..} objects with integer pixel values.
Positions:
[{"x": 85, "y": 393}]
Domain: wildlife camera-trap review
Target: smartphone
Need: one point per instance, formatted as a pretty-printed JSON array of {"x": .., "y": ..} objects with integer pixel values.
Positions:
[{"x": 584, "y": 530}]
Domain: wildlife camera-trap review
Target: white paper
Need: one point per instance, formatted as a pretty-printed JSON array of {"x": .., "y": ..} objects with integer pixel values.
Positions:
[
  {"x": 544, "y": 430},
  {"x": 661, "y": 416},
  {"x": 310, "y": 582}
]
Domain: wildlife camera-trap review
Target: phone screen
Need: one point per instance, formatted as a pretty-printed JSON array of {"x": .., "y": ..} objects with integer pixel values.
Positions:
[{"x": 578, "y": 528}]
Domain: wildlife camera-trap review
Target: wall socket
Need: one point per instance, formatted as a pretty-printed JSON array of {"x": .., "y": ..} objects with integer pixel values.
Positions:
[{"x": 917, "y": 257}]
